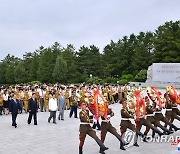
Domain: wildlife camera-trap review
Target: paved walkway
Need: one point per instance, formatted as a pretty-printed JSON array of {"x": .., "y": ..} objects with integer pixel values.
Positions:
[{"x": 63, "y": 138}]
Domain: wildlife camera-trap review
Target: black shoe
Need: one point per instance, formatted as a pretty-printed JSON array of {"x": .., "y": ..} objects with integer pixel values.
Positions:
[
  {"x": 15, "y": 126},
  {"x": 80, "y": 150},
  {"x": 35, "y": 124},
  {"x": 171, "y": 132},
  {"x": 176, "y": 129},
  {"x": 126, "y": 143},
  {"x": 58, "y": 118},
  {"x": 54, "y": 123},
  {"x": 62, "y": 119},
  {"x": 144, "y": 139},
  {"x": 122, "y": 148},
  {"x": 136, "y": 145},
  {"x": 104, "y": 149}
]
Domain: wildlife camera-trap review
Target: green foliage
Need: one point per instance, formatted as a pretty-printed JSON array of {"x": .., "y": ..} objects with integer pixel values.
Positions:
[
  {"x": 20, "y": 73},
  {"x": 167, "y": 43},
  {"x": 141, "y": 76},
  {"x": 60, "y": 70},
  {"x": 128, "y": 77},
  {"x": 10, "y": 74},
  {"x": 94, "y": 80},
  {"x": 2, "y": 74},
  {"x": 110, "y": 80},
  {"x": 34, "y": 68},
  {"x": 46, "y": 66},
  {"x": 34, "y": 82},
  {"x": 123, "y": 82}
]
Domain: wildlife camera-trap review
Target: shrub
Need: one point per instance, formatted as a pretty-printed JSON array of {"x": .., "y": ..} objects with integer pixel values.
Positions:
[
  {"x": 141, "y": 76},
  {"x": 128, "y": 77}
]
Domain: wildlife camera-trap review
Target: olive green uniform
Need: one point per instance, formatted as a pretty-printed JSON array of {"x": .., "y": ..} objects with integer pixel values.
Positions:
[{"x": 86, "y": 129}]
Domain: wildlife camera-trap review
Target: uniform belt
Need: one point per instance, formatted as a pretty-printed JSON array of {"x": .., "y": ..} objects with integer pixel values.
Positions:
[
  {"x": 84, "y": 123},
  {"x": 174, "y": 107},
  {"x": 105, "y": 121},
  {"x": 150, "y": 115},
  {"x": 141, "y": 117},
  {"x": 124, "y": 118},
  {"x": 168, "y": 109},
  {"x": 158, "y": 112}
]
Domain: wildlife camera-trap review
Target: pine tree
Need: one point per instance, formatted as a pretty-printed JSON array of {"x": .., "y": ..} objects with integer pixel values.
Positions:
[{"x": 60, "y": 70}]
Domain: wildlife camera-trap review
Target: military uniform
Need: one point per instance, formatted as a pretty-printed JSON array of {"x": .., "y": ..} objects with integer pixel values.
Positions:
[
  {"x": 85, "y": 129},
  {"x": 38, "y": 98},
  {"x": 152, "y": 120},
  {"x": 46, "y": 101},
  {"x": 1, "y": 104},
  {"x": 175, "y": 112},
  {"x": 67, "y": 100},
  {"x": 82, "y": 94},
  {"x": 148, "y": 124},
  {"x": 26, "y": 99},
  {"x": 126, "y": 123},
  {"x": 111, "y": 94},
  {"x": 106, "y": 126},
  {"x": 74, "y": 106},
  {"x": 159, "y": 117}
]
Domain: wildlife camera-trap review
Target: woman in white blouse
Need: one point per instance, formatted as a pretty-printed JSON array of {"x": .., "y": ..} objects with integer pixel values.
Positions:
[{"x": 6, "y": 102}]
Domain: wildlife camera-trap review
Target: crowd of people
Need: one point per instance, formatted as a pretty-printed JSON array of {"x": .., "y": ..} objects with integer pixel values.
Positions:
[
  {"x": 35, "y": 98},
  {"x": 71, "y": 96}
]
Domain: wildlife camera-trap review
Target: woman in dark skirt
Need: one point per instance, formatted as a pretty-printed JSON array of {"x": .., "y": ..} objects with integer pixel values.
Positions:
[{"x": 6, "y": 102}]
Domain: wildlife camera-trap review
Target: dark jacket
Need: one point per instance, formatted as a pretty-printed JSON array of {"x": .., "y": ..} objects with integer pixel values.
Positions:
[
  {"x": 32, "y": 105},
  {"x": 14, "y": 106}
]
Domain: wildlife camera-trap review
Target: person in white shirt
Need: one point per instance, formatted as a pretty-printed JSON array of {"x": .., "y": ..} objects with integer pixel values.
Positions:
[
  {"x": 53, "y": 108},
  {"x": 6, "y": 102}
]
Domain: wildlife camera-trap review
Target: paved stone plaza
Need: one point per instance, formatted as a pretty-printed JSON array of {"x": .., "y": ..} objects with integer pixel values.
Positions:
[{"x": 63, "y": 138}]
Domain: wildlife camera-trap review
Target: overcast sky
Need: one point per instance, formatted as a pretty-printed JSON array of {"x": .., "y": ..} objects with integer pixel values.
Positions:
[{"x": 27, "y": 24}]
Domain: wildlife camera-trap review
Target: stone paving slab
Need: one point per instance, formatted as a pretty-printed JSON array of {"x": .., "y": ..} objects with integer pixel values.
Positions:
[{"x": 63, "y": 138}]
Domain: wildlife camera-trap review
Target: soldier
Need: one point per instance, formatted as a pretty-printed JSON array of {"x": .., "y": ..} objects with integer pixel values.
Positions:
[
  {"x": 82, "y": 94},
  {"x": 37, "y": 97},
  {"x": 151, "y": 119},
  {"x": 67, "y": 96},
  {"x": 147, "y": 123},
  {"x": 46, "y": 100},
  {"x": 26, "y": 99},
  {"x": 159, "y": 116},
  {"x": 171, "y": 110},
  {"x": 106, "y": 126},
  {"x": 1, "y": 104},
  {"x": 85, "y": 129},
  {"x": 125, "y": 91},
  {"x": 74, "y": 105},
  {"x": 111, "y": 94},
  {"x": 126, "y": 123}
]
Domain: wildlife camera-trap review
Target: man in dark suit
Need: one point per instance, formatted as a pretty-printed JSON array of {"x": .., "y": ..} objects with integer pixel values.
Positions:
[
  {"x": 13, "y": 108},
  {"x": 32, "y": 108}
]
